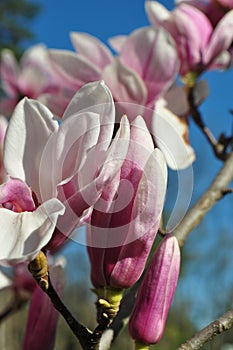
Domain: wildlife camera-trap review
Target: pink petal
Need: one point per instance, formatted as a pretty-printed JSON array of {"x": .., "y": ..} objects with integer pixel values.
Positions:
[
  {"x": 124, "y": 83},
  {"x": 117, "y": 42},
  {"x": 9, "y": 72},
  {"x": 16, "y": 193},
  {"x": 144, "y": 223},
  {"x": 152, "y": 54},
  {"x": 7, "y": 105},
  {"x": 74, "y": 70},
  {"x": 221, "y": 39},
  {"x": 121, "y": 234},
  {"x": 56, "y": 103},
  {"x": 36, "y": 56},
  {"x": 92, "y": 49},
  {"x": 90, "y": 183},
  {"x": 191, "y": 30}
]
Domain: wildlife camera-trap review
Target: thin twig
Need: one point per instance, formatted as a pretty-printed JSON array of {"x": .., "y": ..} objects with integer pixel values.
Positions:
[
  {"x": 218, "y": 326},
  {"x": 80, "y": 331},
  {"x": 219, "y": 146},
  {"x": 213, "y": 194}
]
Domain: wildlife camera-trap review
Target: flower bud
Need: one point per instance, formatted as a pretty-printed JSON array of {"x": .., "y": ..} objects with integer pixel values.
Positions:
[{"x": 155, "y": 294}]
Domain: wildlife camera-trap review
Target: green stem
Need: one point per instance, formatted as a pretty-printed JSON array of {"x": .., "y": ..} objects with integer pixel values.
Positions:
[
  {"x": 140, "y": 346},
  {"x": 107, "y": 307}
]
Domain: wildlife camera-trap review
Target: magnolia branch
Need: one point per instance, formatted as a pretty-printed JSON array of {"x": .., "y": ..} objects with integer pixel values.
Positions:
[
  {"x": 218, "y": 326},
  {"x": 81, "y": 332},
  {"x": 88, "y": 340},
  {"x": 220, "y": 146},
  {"x": 214, "y": 193}
]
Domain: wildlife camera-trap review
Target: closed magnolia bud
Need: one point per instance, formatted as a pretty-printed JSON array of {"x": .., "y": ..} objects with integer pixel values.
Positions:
[{"x": 155, "y": 294}]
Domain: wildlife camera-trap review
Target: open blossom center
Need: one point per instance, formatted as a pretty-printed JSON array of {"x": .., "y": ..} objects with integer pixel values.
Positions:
[{"x": 16, "y": 196}]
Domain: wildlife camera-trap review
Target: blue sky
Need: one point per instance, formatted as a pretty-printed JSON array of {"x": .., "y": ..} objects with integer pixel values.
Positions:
[
  {"x": 105, "y": 19},
  {"x": 102, "y": 19}
]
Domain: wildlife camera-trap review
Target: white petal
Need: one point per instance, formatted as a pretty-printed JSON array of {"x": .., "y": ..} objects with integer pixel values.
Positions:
[
  {"x": 96, "y": 98},
  {"x": 89, "y": 97},
  {"x": 156, "y": 12},
  {"x": 76, "y": 137},
  {"x": 28, "y": 132},
  {"x": 170, "y": 134},
  {"x": 4, "y": 281},
  {"x": 90, "y": 185},
  {"x": 24, "y": 234}
]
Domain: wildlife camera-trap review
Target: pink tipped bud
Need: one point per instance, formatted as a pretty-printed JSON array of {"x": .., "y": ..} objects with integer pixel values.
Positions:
[{"x": 155, "y": 294}]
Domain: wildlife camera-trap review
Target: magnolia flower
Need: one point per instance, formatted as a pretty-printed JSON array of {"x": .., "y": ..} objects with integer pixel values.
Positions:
[
  {"x": 155, "y": 294},
  {"x": 136, "y": 75},
  {"x": 199, "y": 44},
  {"x": 27, "y": 222},
  {"x": 214, "y": 10},
  {"x": 144, "y": 71},
  {"x": 49, "y": 164},
  {"x": 74, "y": 69},
  {"x": 30, "y": 77},
  {"x": 145, "y": 68},
  {"x": 98, "y": 159},
  {"x": 125, "y": 220}
]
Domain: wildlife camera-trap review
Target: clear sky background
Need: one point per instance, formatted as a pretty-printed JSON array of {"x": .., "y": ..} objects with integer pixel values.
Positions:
[{"x": 211, "y": 252}]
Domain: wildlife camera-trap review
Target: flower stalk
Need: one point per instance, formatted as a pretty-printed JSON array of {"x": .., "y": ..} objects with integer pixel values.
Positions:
[
  {"x": 108, "y": 303},
  {"x": 140, "y": 346}
]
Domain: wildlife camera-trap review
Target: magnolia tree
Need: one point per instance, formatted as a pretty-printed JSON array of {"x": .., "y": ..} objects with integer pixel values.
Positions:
[{"x": 87, "y": 137}]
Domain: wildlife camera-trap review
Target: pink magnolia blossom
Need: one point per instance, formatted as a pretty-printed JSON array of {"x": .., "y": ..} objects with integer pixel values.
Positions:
[
  {"x": 155, "y": 294},
  {"x": 125, "y": 220},
  {"x": 30, "y": 77},
  {"x": 213, "y": 9},
  {"x": 136, "y": 75},
  {"x": 28, "y": 223},
  {"x": 199, "y": 44},
  {"x": 226, "y": 3},
  {"x": 49, "y": 164},
  {"x": 145, "y": 68},
  {"x": 143, "y": 73},
  {"x": 99, "y": 156},
  {"x": 75, "y": 69}
]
